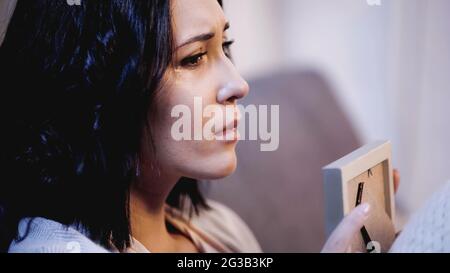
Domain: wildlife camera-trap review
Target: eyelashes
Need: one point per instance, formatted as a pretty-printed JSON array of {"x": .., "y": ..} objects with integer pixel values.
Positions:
[
  {"x": 195, "y": 60},
  {"x": 227, "y": 48}
]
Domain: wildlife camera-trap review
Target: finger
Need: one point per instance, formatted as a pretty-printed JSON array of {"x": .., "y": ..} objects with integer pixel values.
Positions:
[
  {"x": 396, "y": 180},
  {"x": 341, "y": 238}
]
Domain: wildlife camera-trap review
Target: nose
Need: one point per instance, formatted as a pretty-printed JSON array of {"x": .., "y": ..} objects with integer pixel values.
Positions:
[{"x": 234, "y": 87}]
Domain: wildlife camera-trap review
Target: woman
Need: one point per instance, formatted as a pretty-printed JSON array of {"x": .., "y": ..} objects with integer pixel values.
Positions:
[{"x": 88, "y": 158}]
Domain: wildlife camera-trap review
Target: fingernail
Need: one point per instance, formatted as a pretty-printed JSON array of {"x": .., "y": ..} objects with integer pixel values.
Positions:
[{"x": 365, "y": 208}]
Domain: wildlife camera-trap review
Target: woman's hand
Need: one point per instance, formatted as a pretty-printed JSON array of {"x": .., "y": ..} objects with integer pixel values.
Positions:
[
  {"x": 396, "y": 180},
  {"x": 342, "y": 237}
]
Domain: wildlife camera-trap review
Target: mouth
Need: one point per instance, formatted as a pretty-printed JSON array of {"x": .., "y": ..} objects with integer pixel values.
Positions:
[{"x": 229, "y": 132}]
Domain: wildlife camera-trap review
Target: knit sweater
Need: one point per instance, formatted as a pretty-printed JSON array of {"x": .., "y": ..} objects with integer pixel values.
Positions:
[
  {"x": 220, "y": 224},
  {"x": 429, "y": 229}
]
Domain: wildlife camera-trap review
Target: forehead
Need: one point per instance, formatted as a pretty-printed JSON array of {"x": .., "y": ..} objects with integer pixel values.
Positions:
[{"x": 193, "y": 17}]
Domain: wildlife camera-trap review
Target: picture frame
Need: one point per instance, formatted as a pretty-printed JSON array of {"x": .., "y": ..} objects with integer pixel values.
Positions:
[{"x": 363, "y": 176}]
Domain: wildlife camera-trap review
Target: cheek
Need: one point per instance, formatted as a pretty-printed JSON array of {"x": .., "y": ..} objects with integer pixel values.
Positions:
[{"x": 201, "y": 159}]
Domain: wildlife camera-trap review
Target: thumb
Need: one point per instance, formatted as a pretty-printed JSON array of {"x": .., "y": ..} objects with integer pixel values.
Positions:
[{"x": 342, "y": 237}]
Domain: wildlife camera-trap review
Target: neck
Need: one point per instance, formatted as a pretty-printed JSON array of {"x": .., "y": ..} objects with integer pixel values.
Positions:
[
  {"x": 147, "y": 219},
  {"x": 148, "y": 197}
]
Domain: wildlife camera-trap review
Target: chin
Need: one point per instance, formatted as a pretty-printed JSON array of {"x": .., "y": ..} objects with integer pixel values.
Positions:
[
  {"x": 216, "y": 168},
  {"x": 225, "y": 170}
]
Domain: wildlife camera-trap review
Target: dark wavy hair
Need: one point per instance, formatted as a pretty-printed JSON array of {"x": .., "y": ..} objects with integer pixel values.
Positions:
[{"x": 78, "y": 83}]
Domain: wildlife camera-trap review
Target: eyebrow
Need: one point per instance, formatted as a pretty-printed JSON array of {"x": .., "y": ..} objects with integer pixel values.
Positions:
[{"x": 202, "y": 37}]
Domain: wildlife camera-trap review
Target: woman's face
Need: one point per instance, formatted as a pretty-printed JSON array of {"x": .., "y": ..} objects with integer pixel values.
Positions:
[{"x": 202, "y": 69}]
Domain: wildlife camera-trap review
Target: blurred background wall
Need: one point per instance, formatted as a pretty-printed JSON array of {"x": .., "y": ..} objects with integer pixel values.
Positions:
[{"x": 389, "y": 66}]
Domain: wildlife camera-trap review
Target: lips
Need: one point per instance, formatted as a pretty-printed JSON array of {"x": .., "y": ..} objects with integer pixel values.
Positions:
[
  {"x": 230, "y": 126},
  {"x": 229, "y": 132}
]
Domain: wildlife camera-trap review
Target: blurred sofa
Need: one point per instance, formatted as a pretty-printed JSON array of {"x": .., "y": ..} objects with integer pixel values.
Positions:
[{"x": 280, "y": 194}]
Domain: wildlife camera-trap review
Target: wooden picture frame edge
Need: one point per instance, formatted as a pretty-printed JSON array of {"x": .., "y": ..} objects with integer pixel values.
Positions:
[{"x": 337, "y": 173}]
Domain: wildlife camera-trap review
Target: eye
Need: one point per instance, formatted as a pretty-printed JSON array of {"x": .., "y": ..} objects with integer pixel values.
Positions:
[
  {"x": 227, "y": 47},
  {"x": 193, "y": 61}
]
